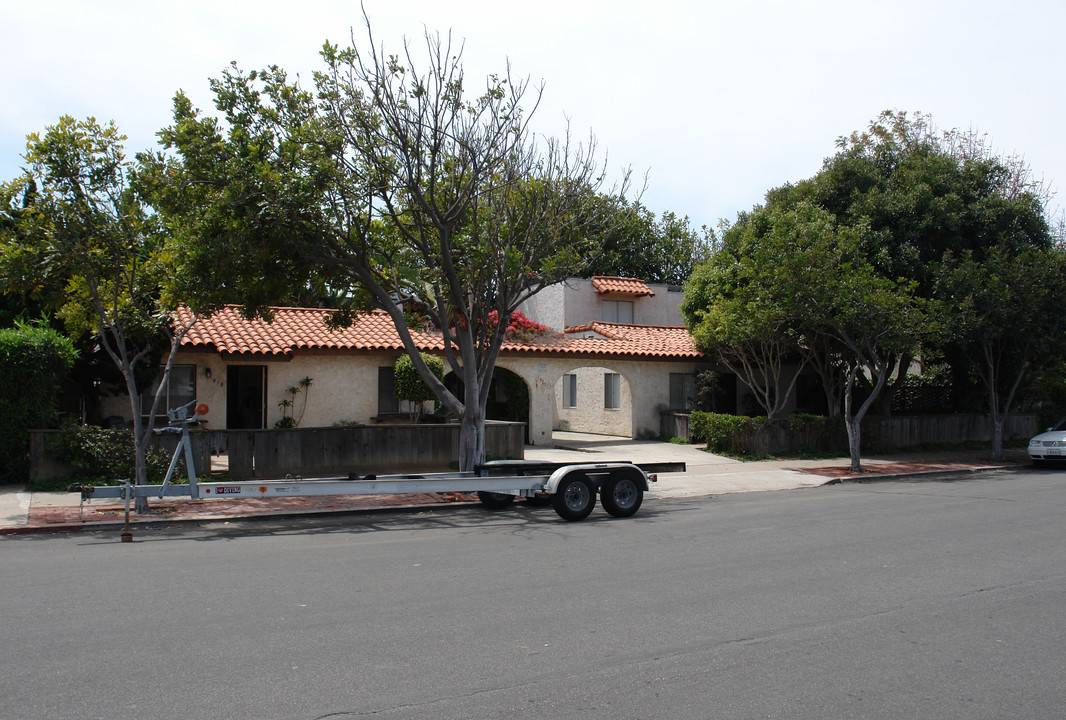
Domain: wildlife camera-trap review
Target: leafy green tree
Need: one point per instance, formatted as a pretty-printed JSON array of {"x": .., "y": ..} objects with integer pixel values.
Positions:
[
  {"x": 791, "y": 284},
  {"x": 739, "y": 306},
  {"x": 397, "y": 184},
  {"x": 1005, "y": 314},
  {"x": 657, "y": 250},
  {"x": 34, "y": 361},
  {"x": 84, "y": 245},
  {"x": 871, "y": 320},
  {"x": 923, "y": 193}
]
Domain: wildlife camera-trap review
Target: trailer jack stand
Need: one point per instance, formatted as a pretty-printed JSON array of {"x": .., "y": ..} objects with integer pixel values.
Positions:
[{"x": 127, "y": 533}]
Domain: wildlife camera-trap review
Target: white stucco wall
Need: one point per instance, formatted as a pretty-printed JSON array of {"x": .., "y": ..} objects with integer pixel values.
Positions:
[
  {"x": 343, "y": 388},
  {"x": 547, "y": 307},
  {"x": 591, "y": 415},
  {"x": 663, "y": 309}
]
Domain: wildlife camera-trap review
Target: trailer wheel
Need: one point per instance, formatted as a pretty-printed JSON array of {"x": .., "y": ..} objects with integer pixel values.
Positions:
[
  {"x": 621, "y": 495},
  {"x": 575, "y": 497},
  {"x": 494, "y": 501}
]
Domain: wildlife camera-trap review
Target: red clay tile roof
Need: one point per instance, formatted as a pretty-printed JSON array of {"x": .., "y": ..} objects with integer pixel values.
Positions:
[
  {"x": 296, "y": 329},
  {"x": 656, "y": 341},
  {"x": 227, "y": 331},
  {"x": 621, "y": 286}
]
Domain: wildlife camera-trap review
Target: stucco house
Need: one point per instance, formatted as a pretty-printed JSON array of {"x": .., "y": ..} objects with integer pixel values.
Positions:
[{"x": 620, "y": 358}]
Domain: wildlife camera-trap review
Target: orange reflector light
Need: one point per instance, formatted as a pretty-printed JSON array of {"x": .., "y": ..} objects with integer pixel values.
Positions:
[
  {"x": 262, "y": 488},
  {"x": 202, "y": 409}
]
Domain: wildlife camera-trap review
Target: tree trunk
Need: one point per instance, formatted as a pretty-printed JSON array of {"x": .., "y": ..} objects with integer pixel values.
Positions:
[
  {"x": 854, "y": 427},
  {"x": 140, "y": 444},
  {"x": 852, "y": 417},
  {"x": 472, "y": 437},
  {"x": 852, "y": 423},
  {"x": 140, "y": 440},
  {"x": 997, "y": 438}
]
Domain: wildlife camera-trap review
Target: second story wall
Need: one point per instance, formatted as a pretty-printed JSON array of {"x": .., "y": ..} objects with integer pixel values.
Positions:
[{"x": 576, "y": 302}]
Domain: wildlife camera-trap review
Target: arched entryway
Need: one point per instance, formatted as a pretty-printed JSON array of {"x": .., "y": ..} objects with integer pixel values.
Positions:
[{"x": 508, "y": 396}]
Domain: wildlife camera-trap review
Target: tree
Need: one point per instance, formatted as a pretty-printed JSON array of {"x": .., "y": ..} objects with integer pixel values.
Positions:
[
  {"x": 873, "y": 321},
  {"x": 394, "y": 182},
  {"x": 792, "y": 283},
  {"x": 739, "y": 307},
  {"x": 1005, "y": 314},
  {"x": 922, "y": 193},
  {"x": 84, "y": 244},
  {"x": 656, "y": 250}
]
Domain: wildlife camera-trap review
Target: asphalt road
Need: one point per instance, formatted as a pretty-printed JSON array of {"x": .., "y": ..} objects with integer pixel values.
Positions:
[{"x": 924, "y": 599}]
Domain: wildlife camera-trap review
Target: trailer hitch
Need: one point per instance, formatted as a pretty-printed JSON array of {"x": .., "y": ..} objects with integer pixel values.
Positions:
[{"x": 85, "y": 490}]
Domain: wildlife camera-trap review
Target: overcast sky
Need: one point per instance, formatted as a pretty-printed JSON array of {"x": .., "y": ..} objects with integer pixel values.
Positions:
[{"x": 717, "y": 101}]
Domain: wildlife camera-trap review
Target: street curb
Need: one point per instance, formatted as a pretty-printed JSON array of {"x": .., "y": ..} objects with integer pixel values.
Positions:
[{"x": 874, "y": 477}]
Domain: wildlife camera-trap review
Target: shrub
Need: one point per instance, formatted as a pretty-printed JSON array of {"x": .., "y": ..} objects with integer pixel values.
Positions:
[
  {"x": 102, "y": 456},
  {"x": 34, "y": 361},
  {"x": 740, "y": 435},
  {"x": 729, "y": 434},
  {"x": 409, "y": 384}
]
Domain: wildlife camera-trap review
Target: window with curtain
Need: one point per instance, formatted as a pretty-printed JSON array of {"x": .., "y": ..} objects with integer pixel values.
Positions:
[
  {"x": 570, "y": 390},
  {"x": 612, "y": 391},
  {"x": 619, "y": 311}
]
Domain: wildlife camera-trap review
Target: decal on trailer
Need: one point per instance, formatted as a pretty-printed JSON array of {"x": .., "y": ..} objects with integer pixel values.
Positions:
[{"x": 229, "y": 490}]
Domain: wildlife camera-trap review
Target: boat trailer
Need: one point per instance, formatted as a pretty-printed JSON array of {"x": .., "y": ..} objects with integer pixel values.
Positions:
[{"x": 570, "y": 488}]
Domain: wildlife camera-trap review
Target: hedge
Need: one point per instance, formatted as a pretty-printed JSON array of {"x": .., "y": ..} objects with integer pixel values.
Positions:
[
  {"x": 34, "y": 362},
  {"x": 736, "y": 434}
]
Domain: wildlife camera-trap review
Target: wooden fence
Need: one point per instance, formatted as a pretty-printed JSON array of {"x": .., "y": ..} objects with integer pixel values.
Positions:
[
  {"x": 310, "y": 452},
  {"x": 878, "y": 433}
]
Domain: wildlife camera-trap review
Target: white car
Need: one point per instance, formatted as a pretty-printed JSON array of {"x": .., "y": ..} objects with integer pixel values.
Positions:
[{"x": 1050, "y": 445}]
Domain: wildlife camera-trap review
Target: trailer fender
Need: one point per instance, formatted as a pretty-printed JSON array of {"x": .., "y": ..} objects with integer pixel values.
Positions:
[{"x": 597, "y": 472}]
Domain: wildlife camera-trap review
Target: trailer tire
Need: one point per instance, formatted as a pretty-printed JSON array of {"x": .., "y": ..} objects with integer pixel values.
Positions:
[
  {"x": 575, "y": 497},
  {"x": 494, "y": 501},
  {"x": 621, "y": 495}
]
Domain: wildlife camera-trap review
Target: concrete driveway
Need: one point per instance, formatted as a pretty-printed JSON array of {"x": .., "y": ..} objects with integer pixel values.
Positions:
[{"x": 706, "y": 474}]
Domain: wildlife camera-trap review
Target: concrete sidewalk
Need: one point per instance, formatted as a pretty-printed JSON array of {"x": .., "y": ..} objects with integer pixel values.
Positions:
[{"x": 705, "y": 475}]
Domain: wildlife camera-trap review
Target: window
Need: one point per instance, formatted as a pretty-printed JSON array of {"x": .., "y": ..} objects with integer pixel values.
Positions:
[
  {"x": 682, "y": 391},
  {"x": 387, "y": 402},
  {"x": 619, "y": 311},
  {"x": 570, "y": 390},
  {"x": 181, "y": 390},
  {"x": 612, "y": 391}
]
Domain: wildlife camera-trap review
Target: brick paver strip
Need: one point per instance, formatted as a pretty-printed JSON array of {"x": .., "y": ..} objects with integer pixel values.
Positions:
[
  {"x": 193, "y": 509},
  {"x": 884, "y": 469}
]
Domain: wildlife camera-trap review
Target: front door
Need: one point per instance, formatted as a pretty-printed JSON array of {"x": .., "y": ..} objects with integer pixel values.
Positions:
[{"x": 245, "y": 397}]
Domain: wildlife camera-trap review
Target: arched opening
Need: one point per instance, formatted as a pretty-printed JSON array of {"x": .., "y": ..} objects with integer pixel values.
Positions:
[{"x": 508, "y": 396}]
